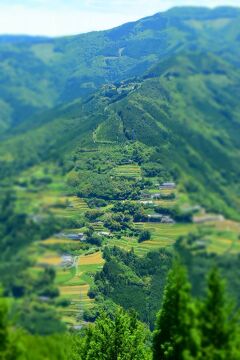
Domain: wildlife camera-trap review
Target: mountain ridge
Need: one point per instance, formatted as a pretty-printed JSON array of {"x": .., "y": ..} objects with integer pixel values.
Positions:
[{"x": 30, "y": 80}]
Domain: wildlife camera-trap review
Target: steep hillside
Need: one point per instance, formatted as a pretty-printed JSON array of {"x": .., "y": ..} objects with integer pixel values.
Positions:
[
  {"x": 182, "y": 109},
  {"x": 118, "y": 150},
  {"x": 39, "y": 73}
]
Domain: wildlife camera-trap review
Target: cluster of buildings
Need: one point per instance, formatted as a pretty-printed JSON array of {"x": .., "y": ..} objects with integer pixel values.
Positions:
[{"x": 157, "y": 196}]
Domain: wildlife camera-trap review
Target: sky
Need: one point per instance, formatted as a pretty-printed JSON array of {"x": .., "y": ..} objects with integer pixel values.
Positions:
[{"x": 69, "y": 17}]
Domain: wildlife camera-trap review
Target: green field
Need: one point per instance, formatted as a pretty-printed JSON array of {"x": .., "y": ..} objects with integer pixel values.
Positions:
[
  {"x": 128, "y": 171},
  {"x": 74, "y": 283},
  {"x": 162, "y": 235},
  {"x": 225, "y": 238}
]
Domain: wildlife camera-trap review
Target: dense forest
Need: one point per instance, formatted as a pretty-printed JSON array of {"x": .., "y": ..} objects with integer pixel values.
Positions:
[{"x": 186, "y": 328}]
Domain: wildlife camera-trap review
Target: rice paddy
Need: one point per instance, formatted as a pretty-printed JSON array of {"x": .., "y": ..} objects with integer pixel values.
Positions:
[
  {"x": 128, "y": 171},
  {"x": 162, "y": 235},
  {"x": 50, "y": 259},
  {"x": 74, "y": 284},
  {"x": 75, "y": 280},
  {"x": 226, "y": 238}
]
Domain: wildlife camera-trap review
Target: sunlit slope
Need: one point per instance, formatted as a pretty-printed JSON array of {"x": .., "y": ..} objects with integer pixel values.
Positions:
[
  {"x": 183, "y": 107},
  {"x": 40, "y": 73}
]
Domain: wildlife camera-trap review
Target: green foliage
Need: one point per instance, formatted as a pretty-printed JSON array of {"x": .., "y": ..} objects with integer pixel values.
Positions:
[
  {"x": 197, "y": 138},
  {"x": 144, "y": 236},
  {"x": 179, "y": 215},
  {"x": 166, "y": 112},
  {"x": 176, "y": 335},
  {"x": 122, "y": 337},
  {"x": 133, "y": 282},
  {"x": 54, "y": 347},
  {"x": 9, "y": 348},
  {"x": 193, "y": 250},
  {"x": 187, "y": 329},
  {"x": 45, "y": 77},
  {"x": 40, "y": 318},
  {"x": 218, "y": 324}
]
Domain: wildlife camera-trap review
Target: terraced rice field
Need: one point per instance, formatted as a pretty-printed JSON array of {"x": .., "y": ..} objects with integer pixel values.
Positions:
[
  {"x": 74, "y": 285},
  {"x": 39, "y": 201},
  {"x": 59, "y": 205},
  {"x": 129, "y": 171},
  {"x": 56, "y": 241},
  {"x": 163, "y": 235},
  {"x": 74, "y": 207},
  {"x": 165, "y": 203},
  {"x": 50, "y": 259},
  {"x": 92, "y": 259},
  {"x": 226, "y": 238}
]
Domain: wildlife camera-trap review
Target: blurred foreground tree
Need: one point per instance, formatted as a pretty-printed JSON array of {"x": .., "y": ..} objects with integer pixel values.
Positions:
[
  {"x": 9, "y": 349},
  {"x": 218, "y": 323},
  {"x": 177, "y": 335},
  {"x": 120, "y": 338}
]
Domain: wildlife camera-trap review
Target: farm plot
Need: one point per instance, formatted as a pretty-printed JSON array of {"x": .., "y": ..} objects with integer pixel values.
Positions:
[
  {"x": 129, "y": 171},
  {"x": 56, "y": 241},
  {"x": 225, "y": 238},
  {"x": 162, "y": 235},
  {"x": 73, "y": 207},
  {"x": 49, "y": 258},
  {"x": 74, "y": 285}
]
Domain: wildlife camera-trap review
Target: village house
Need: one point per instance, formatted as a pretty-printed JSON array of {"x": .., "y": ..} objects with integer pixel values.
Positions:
[
  {"x": 77, "y": 237},
  {"x": 104, "y": 233},
  {"x": 167, "y": 220},
  {"x": 155, "y": 218},
  {"x": 168, "y": 186},
  {"x": 145, "y": 195},
  {"x": 156, "y": 196},
  {"x": 208, "y": 218},
  {"x": 164, "y": 219},
  {"x": 144, "y": 202},
  {"x": 67, "y": 261}
]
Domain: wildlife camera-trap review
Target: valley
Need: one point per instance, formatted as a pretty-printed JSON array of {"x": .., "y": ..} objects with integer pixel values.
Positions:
[
  {"x": 89, "y": 225},
  {"x": 119, "y": 189}
]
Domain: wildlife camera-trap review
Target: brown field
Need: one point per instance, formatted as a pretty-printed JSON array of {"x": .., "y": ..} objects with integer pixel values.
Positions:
[
  {"x": 228, "y": 225},
  {"x": 49, "y": 259},
  {"x": 53, "y": 241},
  {"x": 66, "y": 290},
  {"x": 93, "y": 259},
  {"x": 75, "y": 290}
]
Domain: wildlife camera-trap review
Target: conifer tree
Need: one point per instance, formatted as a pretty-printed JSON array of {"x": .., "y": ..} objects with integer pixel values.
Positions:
[
  {"x": 218, "y": 325},
  {"x": 121, "y": 338},
  {"x": 177, "y": 336},
  {"x": 8, "y": 349}
]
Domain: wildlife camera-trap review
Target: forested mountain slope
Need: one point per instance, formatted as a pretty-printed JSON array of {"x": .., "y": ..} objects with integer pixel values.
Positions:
[
  {"x": 119, "y": 150},
  {"x": 183, "y": 107},
  {"x": 39, "y": 73}
]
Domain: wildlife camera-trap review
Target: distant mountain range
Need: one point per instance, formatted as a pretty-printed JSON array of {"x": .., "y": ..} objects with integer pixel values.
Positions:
[{"x": 38, "y": 73}]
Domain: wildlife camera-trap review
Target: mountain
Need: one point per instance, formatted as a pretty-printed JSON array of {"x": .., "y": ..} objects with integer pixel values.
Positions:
[
  {"x": 182, "y": 107},
  {"x": 39, "y": 73},
  {"x": 118, "y": 150}
]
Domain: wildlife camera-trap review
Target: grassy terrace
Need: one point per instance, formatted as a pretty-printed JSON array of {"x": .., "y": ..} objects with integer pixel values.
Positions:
[
  {"x": 74, "y": 282},
  {"x": 129, "y": 171},
  {"x": 225, "y": 238},
  {"x": 162, "y": 235}
]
